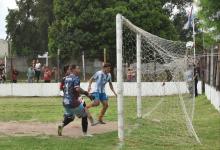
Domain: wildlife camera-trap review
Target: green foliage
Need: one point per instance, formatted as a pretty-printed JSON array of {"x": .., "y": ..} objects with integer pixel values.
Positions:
[
  {"x": 80, "y": 25},
  {"x": 209, "y": 11},
  {"x": 210, "y": 16},
  {"x": 27, "y": 26},
  {"x": 90, "y": 25},
  {"x": 27, "y": 109}
]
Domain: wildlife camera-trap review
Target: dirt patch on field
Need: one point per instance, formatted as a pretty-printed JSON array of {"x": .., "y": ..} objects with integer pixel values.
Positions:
[{"x": 48, "y": 129}]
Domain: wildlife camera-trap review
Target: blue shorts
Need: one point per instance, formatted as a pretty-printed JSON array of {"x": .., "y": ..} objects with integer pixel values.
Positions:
[
  {"x": 78, "y": 111},
  {"x": 100, "y": 96}
]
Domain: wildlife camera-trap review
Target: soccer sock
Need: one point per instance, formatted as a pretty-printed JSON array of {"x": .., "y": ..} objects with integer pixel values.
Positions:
[
  {"x": 84, "y": 124},
  {"x": 84, "y": 104},
  {"x": 67, "y": 120}
]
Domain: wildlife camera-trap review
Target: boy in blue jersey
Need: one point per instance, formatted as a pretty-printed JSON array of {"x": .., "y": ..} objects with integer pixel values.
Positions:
[
  {"x": 73, "y": 106},
  {"x": 101, "y": 78}
]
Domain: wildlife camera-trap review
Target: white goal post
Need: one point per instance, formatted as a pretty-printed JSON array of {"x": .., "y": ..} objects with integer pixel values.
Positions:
[{"x": 120, "y": 100}]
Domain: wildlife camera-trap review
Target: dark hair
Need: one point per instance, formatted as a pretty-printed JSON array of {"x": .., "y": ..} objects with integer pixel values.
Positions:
[
  {"x": 65, "y": 68},
  {"x": 106, "y": 65},
  {"x": 72, "y": 66}
]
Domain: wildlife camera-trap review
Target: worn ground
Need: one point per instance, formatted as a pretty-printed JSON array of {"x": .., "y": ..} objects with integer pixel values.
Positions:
[{"x": 36, "y": 128}]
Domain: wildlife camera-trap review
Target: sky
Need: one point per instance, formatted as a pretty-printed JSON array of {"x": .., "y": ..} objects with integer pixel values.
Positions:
[{"x": 4, "y": 5}]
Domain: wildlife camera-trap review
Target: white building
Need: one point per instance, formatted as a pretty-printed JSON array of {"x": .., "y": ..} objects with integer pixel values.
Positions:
[{"x": 3, "y": 48}]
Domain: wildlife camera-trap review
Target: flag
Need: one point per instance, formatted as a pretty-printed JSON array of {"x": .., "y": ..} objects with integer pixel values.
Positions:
[{"x": 189, "y": 22}]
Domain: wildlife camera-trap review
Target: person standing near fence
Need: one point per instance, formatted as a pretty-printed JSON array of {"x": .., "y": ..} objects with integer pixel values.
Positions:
[
  {"x": 30, "y": 73},
  {"x": 196, "y": 78},
  {"x": 2, "y": 73},
  {"x": 47, "y": 74},
  {"x": 130, "y": 75},
  {"x": 37, "y": 70},
  {"x": 14, "y": 75}
]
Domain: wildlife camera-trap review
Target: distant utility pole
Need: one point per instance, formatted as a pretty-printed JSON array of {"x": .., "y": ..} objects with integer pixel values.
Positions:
[
  {"x": 46, "y": 58},
  {"x": 58, "y": 64},
  {"x": 83, "y": 65},
  {"x": 105, "y": 55}
]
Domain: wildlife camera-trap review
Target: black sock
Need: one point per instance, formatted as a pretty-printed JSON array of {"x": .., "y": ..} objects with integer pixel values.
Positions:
[
  {"x": 84, "y": 104},
  {"x": 84, "y": 124},
  {"x": 67, "y": 120}
]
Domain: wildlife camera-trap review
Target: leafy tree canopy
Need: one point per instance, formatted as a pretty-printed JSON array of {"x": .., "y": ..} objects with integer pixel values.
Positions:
[
  {"x": 90, "y": 25},
  {"x": 27, "y": 26}
]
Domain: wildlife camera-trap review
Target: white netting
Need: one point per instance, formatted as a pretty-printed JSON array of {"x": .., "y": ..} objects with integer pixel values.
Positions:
[{"x": 167, "y": 86}]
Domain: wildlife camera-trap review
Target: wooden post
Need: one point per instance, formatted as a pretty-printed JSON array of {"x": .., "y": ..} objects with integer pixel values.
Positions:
[
  {"x": 58, "y": 65},
  {"x": 104, "y": 55},
  {"x": 11, "y": 55}
]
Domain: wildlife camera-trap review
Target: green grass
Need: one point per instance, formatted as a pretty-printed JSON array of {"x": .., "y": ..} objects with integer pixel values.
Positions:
[
  {"x": 157, "y": 131},
  {"x": 29, "y": 109}
]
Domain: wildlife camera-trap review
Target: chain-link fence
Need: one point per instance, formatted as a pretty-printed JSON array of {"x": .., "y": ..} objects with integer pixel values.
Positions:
[{"x": 46, "y": 67}]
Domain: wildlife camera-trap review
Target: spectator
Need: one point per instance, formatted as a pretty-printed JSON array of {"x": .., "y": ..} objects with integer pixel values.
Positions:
[
  {"x": 33, "y": 63},
  {"x": 47, "y": 74},
  {"x": 189, "y": 78},
  {"x": 196, "y": 78},
  {"x": 37, "y": 70},
  {"x": 30, "y": 74},
  {"x": 130, "y": 75},
  {"x": 55, "y": 74},
  {"x": 2, "y": 72},
  {"x": 14, "y": 75}
]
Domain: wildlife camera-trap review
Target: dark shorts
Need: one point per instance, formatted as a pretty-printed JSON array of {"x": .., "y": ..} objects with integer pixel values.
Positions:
[{"x": 78, "y": 111}]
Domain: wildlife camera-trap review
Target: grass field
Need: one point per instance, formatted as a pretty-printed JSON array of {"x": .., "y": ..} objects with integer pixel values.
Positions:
[{"x": 146, "y": 136}]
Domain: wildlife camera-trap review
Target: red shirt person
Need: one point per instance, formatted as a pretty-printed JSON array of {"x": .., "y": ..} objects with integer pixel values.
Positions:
[
  {"x": 14, "y": 75},
  {"x": 47, "y": 74}
]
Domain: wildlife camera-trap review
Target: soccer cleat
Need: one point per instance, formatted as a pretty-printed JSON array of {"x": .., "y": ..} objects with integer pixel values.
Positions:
[
  {"x": 60, "y": 129},
  {"x": 101, "y": 122},
  {"x": 87, "y": 135},
  {"x": 94, "y": 123}
]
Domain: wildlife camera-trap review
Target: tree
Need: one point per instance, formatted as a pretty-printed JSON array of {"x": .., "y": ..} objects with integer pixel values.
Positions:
[
  {"x": 90, "y": 25},
  {"x": 210, "y": 12},
  {"x": 209, "y": 15},
  {"x": 27, "y": 26}
]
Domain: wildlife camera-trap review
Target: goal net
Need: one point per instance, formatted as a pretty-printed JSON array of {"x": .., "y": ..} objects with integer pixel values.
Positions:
[{"x": 155, "y": 79}]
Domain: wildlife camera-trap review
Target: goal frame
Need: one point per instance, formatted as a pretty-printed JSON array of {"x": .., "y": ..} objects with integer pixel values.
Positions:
[{"x": 120, "y": 20}]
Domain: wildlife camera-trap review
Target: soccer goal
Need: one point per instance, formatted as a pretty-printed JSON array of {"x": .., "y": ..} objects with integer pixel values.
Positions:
[{"x": 156, "y": 74}]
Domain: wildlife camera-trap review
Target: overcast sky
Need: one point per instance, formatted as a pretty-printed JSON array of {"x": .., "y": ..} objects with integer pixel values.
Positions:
[{"x": 4, "y": 5}]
